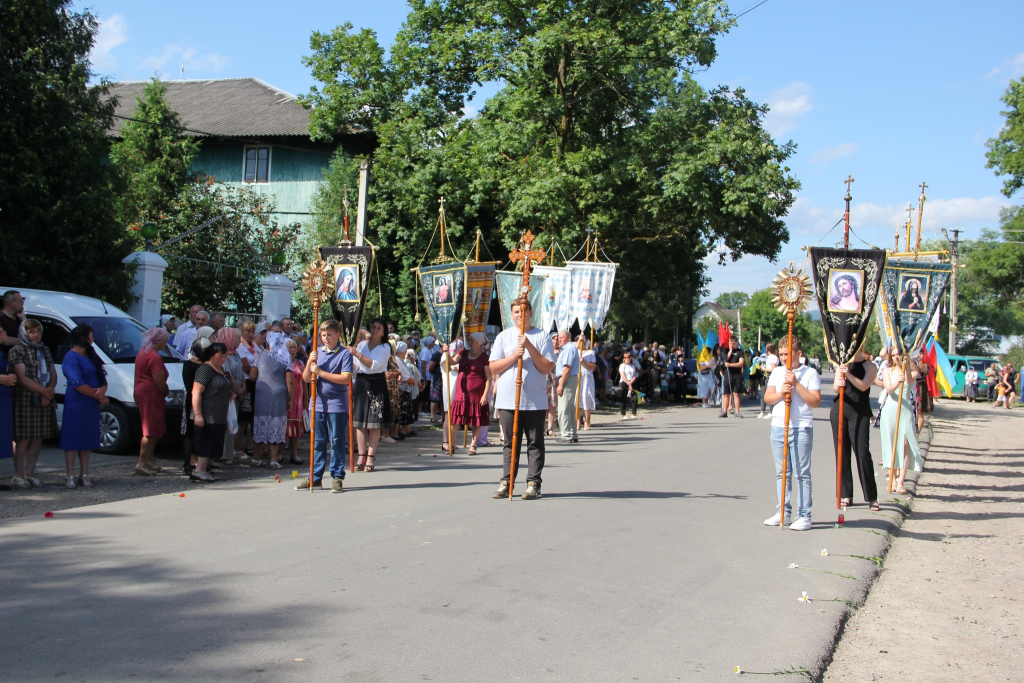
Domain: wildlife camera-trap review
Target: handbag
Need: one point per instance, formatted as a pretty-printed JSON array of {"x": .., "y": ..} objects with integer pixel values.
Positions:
[
  {"x": 305, "y": 419},
  {"x": 232, "y": 418}
]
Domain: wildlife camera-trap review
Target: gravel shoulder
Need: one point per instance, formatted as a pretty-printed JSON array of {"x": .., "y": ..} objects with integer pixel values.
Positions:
[{"x": 948, "y": 605}]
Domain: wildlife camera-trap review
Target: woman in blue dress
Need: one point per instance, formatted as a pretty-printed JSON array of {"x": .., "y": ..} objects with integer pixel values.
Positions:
[
  {"x": 7, "y": 382},
  {"x": 85, "y": 393}
]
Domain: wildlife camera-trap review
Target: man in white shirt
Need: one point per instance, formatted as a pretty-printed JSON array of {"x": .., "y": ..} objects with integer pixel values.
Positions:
[
  {"x": 183, "y": 340},
  {"x": 537, "y": 353},
  {"x": 187, "y": 330},
  {"x": 804, "y": 385}
]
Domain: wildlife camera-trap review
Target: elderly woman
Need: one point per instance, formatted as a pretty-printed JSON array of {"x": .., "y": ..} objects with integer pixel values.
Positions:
[
  {"x": 86, "y": 392},
  {"x": 371, "y": 410},
  {"x": 296, "y": 421},
  {"x": 35, "y": 415},
  {"x": 588, "y": 389},
  {"x": 150, "y": 394},
  {"x": 188, "y": 375},
  {"x": 470, "y": 405},
  {"x": 275, "y": 389},
  {"x": 231, "y": 338},
  {"x": 402, "y": 409},
  {"x": 248, "y": 351},
  {"x": 411, "y": 391},
  {"x": 449, "y": 365},
  {"x": 211, "y": 394}
]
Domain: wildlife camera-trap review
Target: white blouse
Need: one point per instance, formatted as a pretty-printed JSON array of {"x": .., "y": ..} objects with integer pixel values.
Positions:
[{"x": 378, "y": 358}]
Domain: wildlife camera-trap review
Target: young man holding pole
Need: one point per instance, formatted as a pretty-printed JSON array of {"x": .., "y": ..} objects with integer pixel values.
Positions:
[
  {"x": 332, "y": 365},
  {"x": 805, "y": 385},
  {"x": 534, "y": 347}
]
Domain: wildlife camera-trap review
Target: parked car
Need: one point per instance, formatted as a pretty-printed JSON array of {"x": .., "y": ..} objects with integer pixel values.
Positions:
[
  {"x": 117, "y": 338},
  {"x": 979, "y": 363}
]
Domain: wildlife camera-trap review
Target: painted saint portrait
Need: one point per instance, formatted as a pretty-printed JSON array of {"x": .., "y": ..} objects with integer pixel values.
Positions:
[
  {"x": 913, "y": 292},
  {"x": 443, "y": 290},
  {"x": 584, "y": 296},
  {"x": 346, "y": 282},
  {"x": 845, "y": 291}
]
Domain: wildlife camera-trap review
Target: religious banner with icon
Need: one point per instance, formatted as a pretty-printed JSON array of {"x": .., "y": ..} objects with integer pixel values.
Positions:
[
  {"x": 479, "y": 285},
  {"x": 350, "y": 272},
  {"x": 847, "y": 283},
  {"x": 508, "y": 283},
  {"x": 555, "y": 308},
  {"x": 590, "y": 296},
  {"x": 444, "y": 292},
  {"x": 913, "y": 292}
]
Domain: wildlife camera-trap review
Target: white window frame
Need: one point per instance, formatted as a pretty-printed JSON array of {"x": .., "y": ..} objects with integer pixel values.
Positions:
[{"x": 270, "y": 163}]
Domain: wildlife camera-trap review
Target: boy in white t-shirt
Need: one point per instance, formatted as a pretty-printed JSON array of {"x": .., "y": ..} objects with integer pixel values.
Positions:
[{"x": 804, "y": 384}]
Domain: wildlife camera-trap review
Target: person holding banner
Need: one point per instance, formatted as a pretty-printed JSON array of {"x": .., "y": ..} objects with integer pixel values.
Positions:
[
  {"x": 567, "y": 373},
  {"x": 805, "y": 386},
  {"x": 332, "y": 365},
  {"x": 371, "y": 409},
  {"x": 588, "y": 390},
  {"x": 535, "y": 348},
  {"x": 892, "y": 378},
  {"x": 472, "y": 388},
  {"x": 857, "y": 376}
]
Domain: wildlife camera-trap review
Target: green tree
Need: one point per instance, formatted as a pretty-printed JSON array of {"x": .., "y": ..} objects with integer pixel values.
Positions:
[
  {"x": 761, "y": 313},
  {"x": 153, "y": 158},
  {"x": 220, "y": 266},
  {"x": 56, "y": 193},
  {"x": 1006, "y": 151},
  {"x": 598, "y": 125},
  {"x": 733, "y": 299}
]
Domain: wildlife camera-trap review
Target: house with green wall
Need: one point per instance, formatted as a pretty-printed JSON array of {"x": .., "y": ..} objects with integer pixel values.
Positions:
[{"x": 251, "y": 133}]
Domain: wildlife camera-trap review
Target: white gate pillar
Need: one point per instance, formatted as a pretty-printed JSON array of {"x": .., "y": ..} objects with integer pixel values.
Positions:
[
  {"x": 277, "y": 296},
  {"x": 147, "y": 287}
]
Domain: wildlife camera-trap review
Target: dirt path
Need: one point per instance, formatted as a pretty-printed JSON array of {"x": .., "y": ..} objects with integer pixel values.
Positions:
[{"x": 949, "y": 604}]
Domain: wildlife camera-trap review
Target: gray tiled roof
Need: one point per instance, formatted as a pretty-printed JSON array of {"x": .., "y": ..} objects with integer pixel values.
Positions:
[{"x": 224, "y": 107}]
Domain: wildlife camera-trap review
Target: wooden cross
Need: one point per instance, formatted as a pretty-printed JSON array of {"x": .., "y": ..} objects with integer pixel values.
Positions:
[{"x": 526, "y": 255}]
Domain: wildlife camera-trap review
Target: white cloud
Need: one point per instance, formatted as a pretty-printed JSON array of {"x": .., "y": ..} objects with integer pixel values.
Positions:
[
  {"x": 824, "y": 156},
  {"x": 1009, "y": 68},
  {"x": 113, "y": 31},
  {"x": 786, "y": 106},
  {"x": 176, "y": 56}
]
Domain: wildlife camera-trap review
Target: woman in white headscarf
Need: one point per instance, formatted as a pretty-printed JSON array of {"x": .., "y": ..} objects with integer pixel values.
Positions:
[
  {"x": 275, "y": 390},
  {"x": 449, "y": 363},
  {"x": 406, "y": 414}
]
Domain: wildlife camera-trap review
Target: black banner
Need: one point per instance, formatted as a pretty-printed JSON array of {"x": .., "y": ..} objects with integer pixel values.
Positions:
[
  {"x": 913, "y": 292},
  {"x": 847, "y": 283},
  {"x": 444, "y": 291},
  {"x": 350, "y": 268}
]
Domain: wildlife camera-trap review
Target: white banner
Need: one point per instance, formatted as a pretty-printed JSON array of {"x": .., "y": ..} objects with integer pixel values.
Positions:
[
  {"x": 557, "y": 297},
  {"x": 590, "y": 292}
]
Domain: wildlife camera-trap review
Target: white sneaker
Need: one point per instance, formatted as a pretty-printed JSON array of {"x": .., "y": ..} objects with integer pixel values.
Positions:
[
  {"x": 388, "y": 439},
  {"x": 760, "y": 415},
  {"x": 801, "y": 524},
  {"x": 737, "y": 414},
  {"x": 774, "y": 520}
]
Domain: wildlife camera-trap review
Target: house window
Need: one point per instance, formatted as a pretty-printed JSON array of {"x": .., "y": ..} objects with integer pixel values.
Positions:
[{"x": 257, "y": 165}]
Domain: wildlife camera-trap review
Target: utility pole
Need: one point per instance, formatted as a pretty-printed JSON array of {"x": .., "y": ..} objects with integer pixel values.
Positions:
[
  {"x": 364, "y": 180},
  {"x": 954, "y": 254}
]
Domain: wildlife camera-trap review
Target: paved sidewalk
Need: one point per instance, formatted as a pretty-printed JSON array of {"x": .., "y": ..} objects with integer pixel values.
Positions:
[{"x": 948, "y": 605}]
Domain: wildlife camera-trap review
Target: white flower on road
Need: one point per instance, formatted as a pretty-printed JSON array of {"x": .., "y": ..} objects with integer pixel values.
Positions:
[
  {"x": 824, "y": 552},
  {"x": 804, "y": 598},
  {"x": 794, "y": 565}
]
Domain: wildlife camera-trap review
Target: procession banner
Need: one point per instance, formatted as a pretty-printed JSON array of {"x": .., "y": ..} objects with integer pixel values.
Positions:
[
  {"x": 508, "y": 283},
  {"x": 556, "y": 309},
  {"x": 913, "y": 291},
  {"x": 479, "y": 285},
  {"x": 591, "y": 286},
  {"x": 350, "y": 267},
  {"x": 444, "y": 291},
  {"x": 847, "y": 283}
]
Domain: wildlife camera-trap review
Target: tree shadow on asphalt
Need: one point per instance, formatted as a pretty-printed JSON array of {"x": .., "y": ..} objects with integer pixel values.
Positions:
[
  {"x": 423, "y": 485},
  {"x": 88, "y": 607},
  {"x": 638, "y": 494},
  {"x": 981, "y": 473},
  {"x": 937, "y": 536}
]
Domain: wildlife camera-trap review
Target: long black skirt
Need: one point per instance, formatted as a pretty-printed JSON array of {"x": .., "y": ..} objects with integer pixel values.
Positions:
[
  {"x": 371, "y": 404},
  {"x": 407, "y": 415}
]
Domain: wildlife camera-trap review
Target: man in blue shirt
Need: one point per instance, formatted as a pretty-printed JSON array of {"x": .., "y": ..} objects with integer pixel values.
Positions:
[
  {"x": 567, "y": 372},
  {"x": 332, "y": 365}
]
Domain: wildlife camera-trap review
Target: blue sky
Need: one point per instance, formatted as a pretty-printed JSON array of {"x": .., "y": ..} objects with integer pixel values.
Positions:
[{"x": 894, "y": 93}]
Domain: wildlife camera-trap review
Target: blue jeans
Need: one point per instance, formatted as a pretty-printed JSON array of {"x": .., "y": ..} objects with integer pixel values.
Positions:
[
  {"x": 331, "y": 428},
  {"x": 799, "y": 468}
]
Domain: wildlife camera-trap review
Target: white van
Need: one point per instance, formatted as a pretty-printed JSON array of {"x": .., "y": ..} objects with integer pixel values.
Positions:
[{"x": 117, "y": 338}]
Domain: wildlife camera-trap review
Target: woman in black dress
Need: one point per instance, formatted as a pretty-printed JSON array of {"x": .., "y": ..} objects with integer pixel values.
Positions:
[
  {"x": 212, "y": 391},
  {"x": 857, "y": 376}
]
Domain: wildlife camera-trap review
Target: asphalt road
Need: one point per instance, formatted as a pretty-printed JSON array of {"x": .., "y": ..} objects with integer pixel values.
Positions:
[{"x": 646, "y": 559}]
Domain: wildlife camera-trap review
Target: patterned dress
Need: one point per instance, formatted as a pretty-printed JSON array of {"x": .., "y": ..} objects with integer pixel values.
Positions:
[
  {"x": 296, "y": 424},
  {"x": 32, "y": 420},
  {"x": 270, "y": 411}
]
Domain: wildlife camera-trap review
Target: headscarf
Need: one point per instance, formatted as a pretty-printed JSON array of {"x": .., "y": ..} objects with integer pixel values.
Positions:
[
  {"x": 400, "y": 349},
  {"x": 43, "y": 378},
  {"x": 230, "y": 337},
  {"x": 166, "y": 318},
  {"x": 278, "y": 348},
  {"x": 205, "y": 332},
  {"x": 479, "y": 337},
  {"x": 152, "y": 337}
]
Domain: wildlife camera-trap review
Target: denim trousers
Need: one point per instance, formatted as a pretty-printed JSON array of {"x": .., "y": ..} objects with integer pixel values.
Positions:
[
  {"x": 799, "y": 468},
  {"x": 330, "y": 439}
]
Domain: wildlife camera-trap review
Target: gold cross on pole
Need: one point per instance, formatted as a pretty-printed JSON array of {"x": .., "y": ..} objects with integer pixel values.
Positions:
[
  {"x": 923, "y": 186},
  {"x": 849, "y": 179}
]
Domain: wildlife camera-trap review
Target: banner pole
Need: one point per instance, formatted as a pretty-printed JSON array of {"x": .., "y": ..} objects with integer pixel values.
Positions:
[
  {"x": 785, "y": 434},
  {"x": 312, "y": 391}
]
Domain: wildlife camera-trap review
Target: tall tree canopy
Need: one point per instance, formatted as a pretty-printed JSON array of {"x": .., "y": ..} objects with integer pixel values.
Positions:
[
  {"x": 598, "y": 124},
  {"x": 1006, "y": 151},
  {"x": 56, "y": 193}
]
